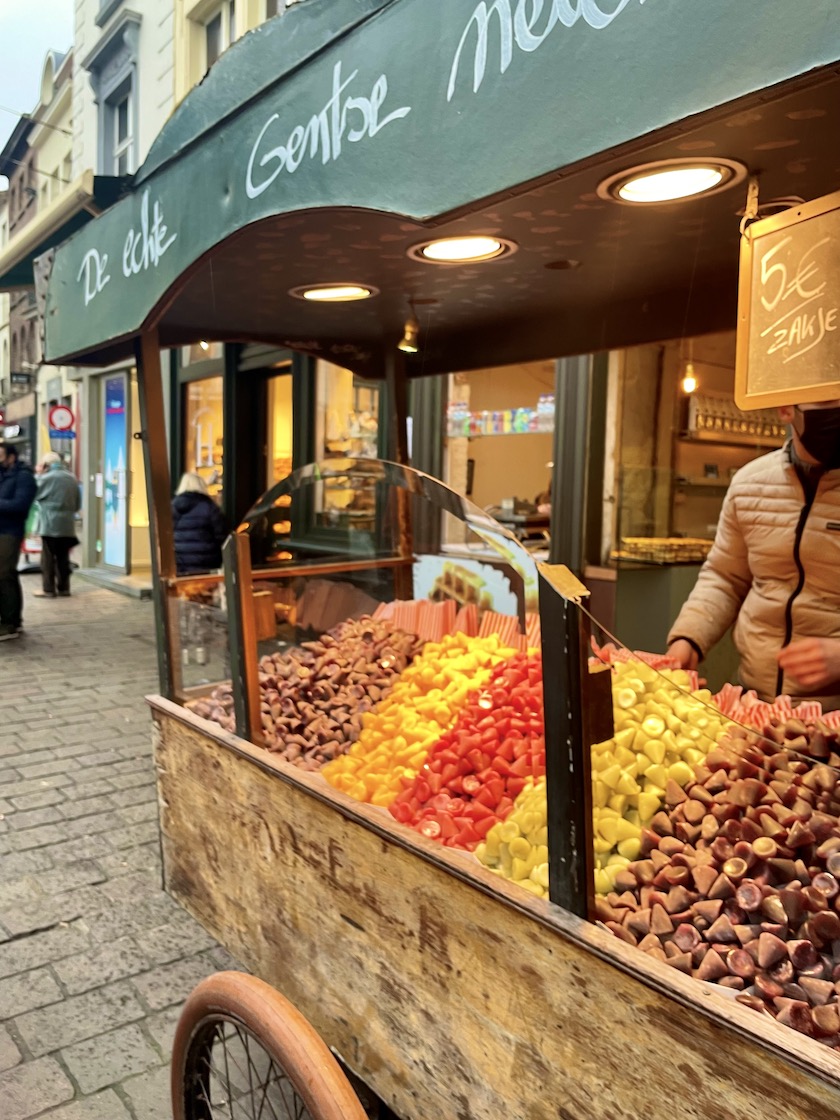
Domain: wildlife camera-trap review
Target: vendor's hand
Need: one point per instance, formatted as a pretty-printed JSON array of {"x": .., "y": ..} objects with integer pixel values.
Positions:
[
  {"x": 685, "y": 653},
  {"x": 812, "y": 662}
]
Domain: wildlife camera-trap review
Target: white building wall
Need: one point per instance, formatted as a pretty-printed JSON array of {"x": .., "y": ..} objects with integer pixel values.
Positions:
[{"x": 154, "y": 75}]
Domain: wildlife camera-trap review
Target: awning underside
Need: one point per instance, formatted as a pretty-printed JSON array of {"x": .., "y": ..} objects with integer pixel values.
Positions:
[{"x": 643, "y": 274}]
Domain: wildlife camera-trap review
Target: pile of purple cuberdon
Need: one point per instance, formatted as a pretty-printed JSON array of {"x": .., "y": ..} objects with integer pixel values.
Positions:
[{"x": 738, "y": 882}]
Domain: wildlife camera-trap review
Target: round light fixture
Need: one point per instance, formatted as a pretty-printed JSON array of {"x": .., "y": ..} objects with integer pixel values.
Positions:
[
  {"x": 671, "y": 180},
  {"x": 462, "y": 250},
  {"x": 334, "y": 293}
]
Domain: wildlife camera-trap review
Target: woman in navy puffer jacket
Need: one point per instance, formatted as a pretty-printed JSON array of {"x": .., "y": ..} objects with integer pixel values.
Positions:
[{"x": 199, "y": 527}]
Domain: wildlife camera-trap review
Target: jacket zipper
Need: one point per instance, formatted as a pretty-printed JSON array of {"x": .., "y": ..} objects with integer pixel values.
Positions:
[{"x": 797, "y": 541}]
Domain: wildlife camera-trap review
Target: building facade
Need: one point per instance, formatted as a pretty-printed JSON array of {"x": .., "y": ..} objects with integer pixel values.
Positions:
[
  {"x": 123, "y": 88},
  {"x": 17, "y": 163},
  {"x": 50, "y": 141}
]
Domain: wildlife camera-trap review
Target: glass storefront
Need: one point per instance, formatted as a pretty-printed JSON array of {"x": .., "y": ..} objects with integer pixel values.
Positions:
[
  {"x": 279, "y": 433},
  {"x": 346, "y": 426},
  {"x": 204, "y": 431}
]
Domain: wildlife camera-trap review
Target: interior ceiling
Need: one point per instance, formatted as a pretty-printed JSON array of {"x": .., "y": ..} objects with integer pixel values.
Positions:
[{"x": 646, "y": 273}]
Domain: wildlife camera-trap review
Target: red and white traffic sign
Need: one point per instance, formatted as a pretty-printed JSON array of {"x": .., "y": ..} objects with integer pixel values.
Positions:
[{"x": 61, "y": 418}]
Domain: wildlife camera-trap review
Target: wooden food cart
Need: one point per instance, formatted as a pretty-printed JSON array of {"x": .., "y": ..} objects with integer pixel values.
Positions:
[{"x": 327, "y": 147}]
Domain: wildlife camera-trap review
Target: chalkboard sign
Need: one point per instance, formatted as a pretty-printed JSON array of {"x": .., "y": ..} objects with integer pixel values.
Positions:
[{"x": 788, "y": 348}]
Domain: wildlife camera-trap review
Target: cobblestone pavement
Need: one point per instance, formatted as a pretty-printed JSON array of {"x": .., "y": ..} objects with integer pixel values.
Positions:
[{"x": 95, "y": 958}]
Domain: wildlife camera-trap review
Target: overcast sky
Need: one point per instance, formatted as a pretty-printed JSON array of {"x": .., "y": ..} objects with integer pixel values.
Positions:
[{"x": 28, "y": 29}]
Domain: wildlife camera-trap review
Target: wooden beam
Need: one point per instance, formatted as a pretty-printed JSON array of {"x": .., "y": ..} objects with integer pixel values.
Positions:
[
  {"x": 159, "y": 497},
  {"x": 242, "y": 631}
]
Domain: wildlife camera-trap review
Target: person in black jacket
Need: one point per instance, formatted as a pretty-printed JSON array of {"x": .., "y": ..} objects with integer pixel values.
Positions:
[
  {"x": 198, "y": 526},
  {"x": 17, "y": 493}
]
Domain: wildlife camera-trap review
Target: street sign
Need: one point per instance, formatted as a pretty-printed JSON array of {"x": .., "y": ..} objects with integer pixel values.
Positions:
[
  {"x": 61, "y": 418},
  {"x": 61, "y": 433}
]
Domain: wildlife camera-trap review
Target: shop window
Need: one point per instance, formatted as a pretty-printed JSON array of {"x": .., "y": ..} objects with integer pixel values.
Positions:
[
  {"x": 113, "y": 74},
  {"x": 204, "y": 431},
  {"x": 202, "y": 352},
  {"x": 346, "y": 426},
  {"x": 499, "y": 446},
  {"x": 279, "y": 435},
  {"x": 123, "y": 137}
]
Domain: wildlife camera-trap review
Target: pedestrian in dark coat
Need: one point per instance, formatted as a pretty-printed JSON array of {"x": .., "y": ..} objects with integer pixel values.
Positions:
[
  {"x": 17, "y": 493},
  {"x": 198, "y": 526},
  {"x": 59, "y": 500}
]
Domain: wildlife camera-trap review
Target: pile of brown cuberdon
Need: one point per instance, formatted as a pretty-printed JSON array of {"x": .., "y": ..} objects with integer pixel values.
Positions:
[{"x": 313, "y": 697}]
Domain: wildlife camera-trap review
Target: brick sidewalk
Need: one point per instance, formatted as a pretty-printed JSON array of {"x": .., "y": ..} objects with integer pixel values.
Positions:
[{"x": 95, "y": 958}]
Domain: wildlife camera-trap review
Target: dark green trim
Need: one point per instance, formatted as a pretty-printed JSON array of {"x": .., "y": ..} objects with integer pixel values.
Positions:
[
  {"x": 596, "y": 451},
  {"x": 427, "y": 408},
  {"x": 200, "y": 371},
  {"x": 304, "y": 392},
  {"x": 568, "y": 486},
  {"x": 393, "y": 409},
  {"x": 232, "y": 391}
]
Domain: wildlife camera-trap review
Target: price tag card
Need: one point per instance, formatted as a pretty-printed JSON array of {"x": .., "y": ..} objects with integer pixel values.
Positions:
[{"x": 788, "y": 349}]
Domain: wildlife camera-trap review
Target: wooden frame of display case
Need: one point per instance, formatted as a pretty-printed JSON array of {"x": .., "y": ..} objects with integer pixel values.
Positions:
[{"x": 447, "y": 989}]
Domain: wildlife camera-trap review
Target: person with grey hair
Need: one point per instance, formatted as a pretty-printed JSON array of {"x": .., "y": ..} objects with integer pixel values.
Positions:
[
  {"x": 59, "y": 499},
  {"x": 198, "y": 527}
]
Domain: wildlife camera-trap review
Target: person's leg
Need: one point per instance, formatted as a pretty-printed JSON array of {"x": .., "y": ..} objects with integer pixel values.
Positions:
[
  {"x": 48, "y": 564},
  {"x": 61, "y": 548},
  {"x": 11, "y": 597}
]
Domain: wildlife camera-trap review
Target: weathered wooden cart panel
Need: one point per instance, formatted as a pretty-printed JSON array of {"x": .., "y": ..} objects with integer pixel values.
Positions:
[{"x": 447, "y": 992}]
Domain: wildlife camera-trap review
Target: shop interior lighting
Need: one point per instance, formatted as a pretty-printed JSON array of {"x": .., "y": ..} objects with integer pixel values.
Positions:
[
  {"x": 671, "y": 180},
  {"x": 334, "y": 293},
  {"x": 462, "y": 250},
  {"x": 409, "y": 343},
  {"x": 204, "y": 345},
  {"x": 689, "y": 382}
]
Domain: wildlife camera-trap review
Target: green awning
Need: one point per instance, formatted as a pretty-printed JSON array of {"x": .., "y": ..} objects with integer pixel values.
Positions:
[
  {"x": 376, "y": 119},
  {"x": 80, "y": 203}
]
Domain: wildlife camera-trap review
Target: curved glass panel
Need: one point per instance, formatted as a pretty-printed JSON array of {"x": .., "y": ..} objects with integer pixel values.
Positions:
[
  {"x": 358, "y": 508},
  {"x": 384, "y": 619}
]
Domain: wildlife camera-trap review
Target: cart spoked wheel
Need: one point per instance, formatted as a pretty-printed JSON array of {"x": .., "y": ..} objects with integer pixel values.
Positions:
[{"x": 243, "y": 1052}]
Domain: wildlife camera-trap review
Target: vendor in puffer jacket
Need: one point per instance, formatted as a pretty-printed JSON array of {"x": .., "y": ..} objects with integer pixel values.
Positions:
[
  {"x": 198, "y": 527},
  {"x": 774, "y": 568}
]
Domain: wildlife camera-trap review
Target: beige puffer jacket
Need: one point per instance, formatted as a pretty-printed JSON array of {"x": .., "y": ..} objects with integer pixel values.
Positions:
[{"x": 774, "y": 570}]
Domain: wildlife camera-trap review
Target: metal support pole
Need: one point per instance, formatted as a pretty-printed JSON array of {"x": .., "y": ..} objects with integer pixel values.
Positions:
[
  {"x": 242, "y": 635},
  {"x": 578, "y": 713},
  {"x": 159, "y": 495}
]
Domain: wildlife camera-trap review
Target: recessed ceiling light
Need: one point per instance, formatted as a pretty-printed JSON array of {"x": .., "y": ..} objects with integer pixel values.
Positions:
[
  {"x": 462, "y": 250},
  {"x": 671, "y": 180},
  {"x": 334, "y": 293}
]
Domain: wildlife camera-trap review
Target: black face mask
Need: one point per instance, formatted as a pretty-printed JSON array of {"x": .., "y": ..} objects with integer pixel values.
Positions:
[{"x": 819, "y": 433}]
